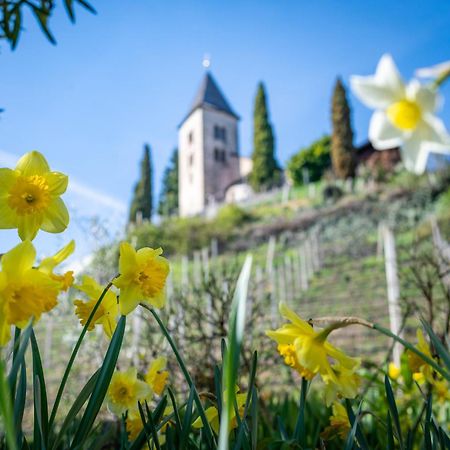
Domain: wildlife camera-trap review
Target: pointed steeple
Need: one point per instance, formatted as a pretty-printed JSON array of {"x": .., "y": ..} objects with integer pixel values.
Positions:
[{"x": 209, "y": 94}]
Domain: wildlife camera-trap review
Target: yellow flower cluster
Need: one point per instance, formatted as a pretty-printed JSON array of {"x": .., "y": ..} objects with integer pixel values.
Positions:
[
  {"x": 30, "y": 201},
  {"x": 309, "y": 353}
]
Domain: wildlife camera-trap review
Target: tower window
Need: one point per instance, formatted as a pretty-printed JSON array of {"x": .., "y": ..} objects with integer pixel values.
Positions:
[
  {"x": 220, "y": 133},
  {"x": 219, "y": 155},
  {"x": 191, "y": 137},
  {"x": 191, "y": 159}
]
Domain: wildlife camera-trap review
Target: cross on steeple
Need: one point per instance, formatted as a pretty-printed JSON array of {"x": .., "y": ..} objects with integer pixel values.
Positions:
[{"x": 206, "y": 62}]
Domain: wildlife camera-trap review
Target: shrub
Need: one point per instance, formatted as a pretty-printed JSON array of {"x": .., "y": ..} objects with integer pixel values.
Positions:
[{"x": 315, "y": 159}]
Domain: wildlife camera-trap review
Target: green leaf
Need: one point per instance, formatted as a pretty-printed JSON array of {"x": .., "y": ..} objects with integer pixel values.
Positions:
[
  {"x": 6, "y": 410},
  {"x": 40, "y": 398},
  {"x": 390, "y": 433},
  {"x": 187, "y": 420},
  {"x": 16, "y": 27},
  {"x": 42, "y": 18},
  {"x": 69, "y": 8},
  {"x": 76, "y": 407},
  {"x": 352, "y": 418},
  {"x": 254, "y": 418},
  {"x": 146, "y": 428},
  {"x": 187, "y": 376},
  {"x": 18, "y": 357},
  {"x": 101, "y": 385},
  {"x": 442, "y": 352},
  {"x": 231, "y": 361},
  {"x": 74, "y": 355},
  {"x": 175, "y": 412},
  {"x": 427, "y": 430},
  {"x": 87, "y": 6},
  {"x": 393, "y": 409},
  {"x": 248, "y": 400},
  {"x": 350, "y": 441},
  {"x": 19, "y": 402}
]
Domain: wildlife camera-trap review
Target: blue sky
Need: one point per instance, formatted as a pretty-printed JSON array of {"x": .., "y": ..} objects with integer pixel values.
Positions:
[{"x": 128, "y": 74}]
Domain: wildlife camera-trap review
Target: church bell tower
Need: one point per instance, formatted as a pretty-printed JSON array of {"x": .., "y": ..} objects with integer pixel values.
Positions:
[{"x": 208, "y": 150}]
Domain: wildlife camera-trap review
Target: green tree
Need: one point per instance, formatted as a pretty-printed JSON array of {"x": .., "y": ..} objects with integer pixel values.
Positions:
[
  {"x": 13, "y": 11},
  {"x": 342, "y": 150},
  {"x": 143, "y": 196},
  {"x": 265, "y": 173},
  {"x": 168, "y": 198},
  {"x": 315, "y": 159}
]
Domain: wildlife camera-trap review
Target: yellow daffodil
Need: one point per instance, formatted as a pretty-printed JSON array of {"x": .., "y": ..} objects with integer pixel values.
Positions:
[
  {"x": 308, "y": 351},
  {"x": 344, "y": 384},
  {"x": 142, "y": 277},
  {"x": 156, "y": 376},
  {"x": 393, "y": 371},
  {"x": 107, "y": 312},
  {"x": 47, "y": 265},
  {"x": 213, "y": 418},
  {"x": 125, "y": 391},
  {"x": 440, "y": 387},
  {"x": 25, "y": 292},
  {"x": 30, "y": 197},
  {"x": 404, "y": 115},
  {"x": 415, "y": 362},
  {"x": 339, "y": 423},
  {"x": 134, "y": 425}
]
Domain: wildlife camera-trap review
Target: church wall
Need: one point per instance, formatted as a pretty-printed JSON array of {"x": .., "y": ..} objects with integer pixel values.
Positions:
[
  {"x": 191, "y": 195},
  {"x": 221, "y": 157}
]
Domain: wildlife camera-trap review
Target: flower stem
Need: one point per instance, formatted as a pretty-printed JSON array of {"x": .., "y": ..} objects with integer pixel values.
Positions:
[
  {"x": 413, "y": 349},
  {"x": 74, "y": 354},
  {"x": 342, "y": 322},
  {"x": 441, "y": 79}
]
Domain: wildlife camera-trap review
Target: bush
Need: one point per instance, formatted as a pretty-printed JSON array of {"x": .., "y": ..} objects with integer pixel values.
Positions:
[
  {"x": 183, "y": 235},
  {"x": 315, "y": 158}
]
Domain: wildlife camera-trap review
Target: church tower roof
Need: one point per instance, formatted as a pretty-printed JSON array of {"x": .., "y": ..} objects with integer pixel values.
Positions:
[{"x": 209, "y": 94}]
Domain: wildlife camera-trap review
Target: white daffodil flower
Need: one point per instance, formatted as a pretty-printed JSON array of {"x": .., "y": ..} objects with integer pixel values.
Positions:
[
  {"x": 436, "y": 71},
  {"x": 404, "y": 115}
]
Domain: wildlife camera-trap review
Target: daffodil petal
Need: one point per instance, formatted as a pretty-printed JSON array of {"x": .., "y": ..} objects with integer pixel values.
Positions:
[
  {"x": 48, "y": 264},
  {"x": 57, "y": 182},
  {"x": 129, "y": 298},
  {"x": 8, "y": 218},
  {"x": 56, "y": 218},
  {"x": 7, "y": 179},
  {"x": 433, "y": 130},
  {"x": 382, "y": 89},
  {"x": 29, "y": 225},
  {"x": 18, "y": 260},
  {"x": 288, "y": 314},
  {"x": 33, "y": 163},
  {"x": 414, "y": 155},
  {"x": 382, "y": 133},
  {"x": 427, "y": 98},
  {"x": 5, "y": 331},
  {"x": 128, "y": 260}
]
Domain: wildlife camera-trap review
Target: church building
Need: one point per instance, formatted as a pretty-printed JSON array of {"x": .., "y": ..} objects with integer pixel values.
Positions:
[{"x": 209, "y": 162}]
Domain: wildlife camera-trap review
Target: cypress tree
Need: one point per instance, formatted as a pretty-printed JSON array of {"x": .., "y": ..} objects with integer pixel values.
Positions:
[
  {"x": 168, "y": 198},
  {"x": 342, "y": 150},
  {"x": 265, "y": 172},
  {"x": 143, "y": 197}
]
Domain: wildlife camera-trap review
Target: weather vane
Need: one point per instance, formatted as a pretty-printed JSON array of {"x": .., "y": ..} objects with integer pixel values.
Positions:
[{"x": 206, "y": 63}]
